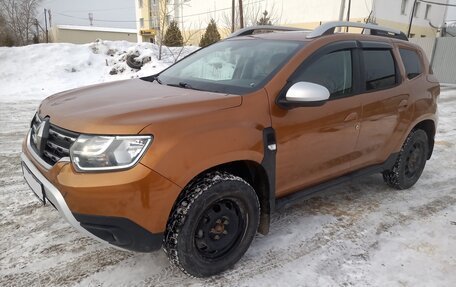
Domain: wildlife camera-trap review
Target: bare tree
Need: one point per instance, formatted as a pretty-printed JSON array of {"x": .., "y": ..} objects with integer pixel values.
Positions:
[
  {"x": 188, "y": 33},
  {"x": 253, "y": 12},
  {"x": 19, "y": 17},
  {"x": 164, "y": 15},
  {"x": 5, "y": 35}
]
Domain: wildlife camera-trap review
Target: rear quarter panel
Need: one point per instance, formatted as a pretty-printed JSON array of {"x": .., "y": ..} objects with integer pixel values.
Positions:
[{"x": 424, "y": 91}]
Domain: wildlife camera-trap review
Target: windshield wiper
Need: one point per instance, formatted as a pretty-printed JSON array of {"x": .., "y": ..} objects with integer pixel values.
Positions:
[
  {"x": 183, "y": 85},
  {"x": 152, "y": 78},
  {"x": 156, "y": 78}
]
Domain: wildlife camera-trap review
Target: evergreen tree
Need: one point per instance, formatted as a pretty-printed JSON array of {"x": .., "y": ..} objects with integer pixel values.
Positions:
[
  {"x": 211, "y": 35},
  {"x": 173, "y": 36},
  {"x": 265, "y": 20}
]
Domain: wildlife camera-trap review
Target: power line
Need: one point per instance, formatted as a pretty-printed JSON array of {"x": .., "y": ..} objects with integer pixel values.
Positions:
[
  {"x": 437, "y": 3},
  {"x": 97, "y": 10},
  {"x": 95, "y": 20},
  {"x": 132, "y": 21},
  {"x": 221, "y": 9}
]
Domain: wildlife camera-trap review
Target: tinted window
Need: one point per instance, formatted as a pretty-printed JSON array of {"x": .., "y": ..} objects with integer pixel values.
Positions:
[
  {"x": 333, "y": 71},
  {"x": 380, "y": 69},
  {"x": 411, "y": 62}
]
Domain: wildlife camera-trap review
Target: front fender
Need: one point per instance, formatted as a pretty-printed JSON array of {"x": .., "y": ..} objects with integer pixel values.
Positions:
[{"x": 183, "y": 148}]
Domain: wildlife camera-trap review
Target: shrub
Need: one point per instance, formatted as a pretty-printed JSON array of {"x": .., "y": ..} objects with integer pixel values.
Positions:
[
  {"x": 211, "y": 35},
  {"x": 265, "y": 20},
  {"x": 173, "y": 36}
]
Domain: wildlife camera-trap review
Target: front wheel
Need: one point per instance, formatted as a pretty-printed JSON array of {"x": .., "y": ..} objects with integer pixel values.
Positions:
[
  {"x": 212, "y": 224},
  {"x": 410, "y": 162}
]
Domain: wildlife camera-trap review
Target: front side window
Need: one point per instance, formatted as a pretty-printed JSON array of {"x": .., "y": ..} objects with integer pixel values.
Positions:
[
  {"x": 232, "y": 66},
  {"x": 380, "y": 69},
  {"x": 412, "y": 63},
  {"x": 333, "y": 71}
]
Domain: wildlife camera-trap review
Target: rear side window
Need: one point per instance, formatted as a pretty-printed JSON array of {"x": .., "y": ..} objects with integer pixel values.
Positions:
[
  {"x": 333, "y": 71},
  {"x": 380, "y": 69},
  {"x": 412, "y": 63}
]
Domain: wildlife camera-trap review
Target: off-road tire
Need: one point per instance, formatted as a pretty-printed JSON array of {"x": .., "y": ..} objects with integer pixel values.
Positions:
[
  {"x": 200, "y": 205},
  {"x": 404, "y": 173}
]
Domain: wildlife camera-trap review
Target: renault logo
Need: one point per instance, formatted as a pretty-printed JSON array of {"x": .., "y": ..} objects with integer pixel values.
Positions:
[{"x": 41, "y": 135}]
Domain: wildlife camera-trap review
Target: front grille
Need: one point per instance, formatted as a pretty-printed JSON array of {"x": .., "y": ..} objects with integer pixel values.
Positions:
[{"x": 57, "y": 144}]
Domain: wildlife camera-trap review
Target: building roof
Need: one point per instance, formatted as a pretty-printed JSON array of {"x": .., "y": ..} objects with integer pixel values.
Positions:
[{"x": 97, "y": 29}]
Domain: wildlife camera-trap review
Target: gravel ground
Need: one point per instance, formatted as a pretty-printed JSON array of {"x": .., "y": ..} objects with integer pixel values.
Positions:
[{"x": 361, "y": 233}]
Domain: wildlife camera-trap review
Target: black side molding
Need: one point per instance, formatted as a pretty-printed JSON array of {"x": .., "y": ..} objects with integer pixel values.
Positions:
[
  {"x": 311, "y": 191},
  {"x": 121, "y": 232},
  {"x": 269, "y": 165}
]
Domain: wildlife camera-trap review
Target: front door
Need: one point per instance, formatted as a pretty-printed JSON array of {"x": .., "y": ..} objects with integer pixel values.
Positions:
[{"x": 317, "y": 143}]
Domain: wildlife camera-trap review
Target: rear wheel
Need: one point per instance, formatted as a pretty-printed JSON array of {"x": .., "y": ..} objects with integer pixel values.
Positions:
[
  {"x": 212, "y": 224},
  {"x": 410, "y": 162}
]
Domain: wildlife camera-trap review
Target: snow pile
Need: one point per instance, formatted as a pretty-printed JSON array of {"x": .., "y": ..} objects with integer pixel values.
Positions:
[{"x": 37, "y": 71}]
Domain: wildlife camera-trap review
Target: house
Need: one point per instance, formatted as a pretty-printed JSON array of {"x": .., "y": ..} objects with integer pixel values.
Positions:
[
  {"x": 426, "y": 17},
  {"x": 194, "y": 15},
  {"x": 87, "y": 34}
]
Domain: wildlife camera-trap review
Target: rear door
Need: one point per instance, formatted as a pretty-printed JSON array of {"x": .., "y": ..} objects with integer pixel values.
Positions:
[{"x": 385, "y": 103}]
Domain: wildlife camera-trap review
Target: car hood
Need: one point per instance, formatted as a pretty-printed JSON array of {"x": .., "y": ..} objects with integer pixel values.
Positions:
[{"x": 126, "y": 107}]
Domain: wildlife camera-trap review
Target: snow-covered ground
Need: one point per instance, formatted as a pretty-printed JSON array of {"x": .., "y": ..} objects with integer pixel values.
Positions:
[{"x": 361, "y": 233}]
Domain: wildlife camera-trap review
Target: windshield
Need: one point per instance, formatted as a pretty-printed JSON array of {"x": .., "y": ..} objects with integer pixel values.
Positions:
[{"x": 233, "y": 66}]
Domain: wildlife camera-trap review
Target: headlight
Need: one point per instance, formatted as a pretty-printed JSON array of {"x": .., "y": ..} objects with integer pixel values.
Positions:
[{"x": 98, "y": 153}]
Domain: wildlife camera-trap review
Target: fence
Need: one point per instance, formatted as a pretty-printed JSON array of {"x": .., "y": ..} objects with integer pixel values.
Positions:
[{"x": 441, "y": 52}]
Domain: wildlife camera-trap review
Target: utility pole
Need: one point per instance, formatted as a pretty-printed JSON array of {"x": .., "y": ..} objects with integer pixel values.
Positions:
[
  {"x": 341, "y": 13},
  {"x": 46, "y": 25},
  {"x": 91, "y": 19},
  {"x": 233, "y": 4},
  {"x": 411, "y": 18},
  {"x": 348, "y": 14},
  {"x": 241, "y": 14},
  {"x": 50, "y": 18},
  {"x": 37, "y": 29}
]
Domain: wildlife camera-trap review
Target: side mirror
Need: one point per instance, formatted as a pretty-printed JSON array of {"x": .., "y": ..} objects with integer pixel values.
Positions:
[{"x": 304, "y": 94}]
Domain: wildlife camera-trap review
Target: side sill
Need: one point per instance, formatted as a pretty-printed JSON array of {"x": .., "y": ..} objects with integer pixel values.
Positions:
[{"x": 313, "y": 190}]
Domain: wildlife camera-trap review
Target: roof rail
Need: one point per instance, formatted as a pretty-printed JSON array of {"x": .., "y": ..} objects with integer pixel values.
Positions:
[
  {"x": 329, "y": 28},
  {"x": 251, "y": 30}
]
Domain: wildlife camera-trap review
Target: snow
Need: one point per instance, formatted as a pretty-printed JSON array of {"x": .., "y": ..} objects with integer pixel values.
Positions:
[
  {"x": 37, "y": 71},
  {"x": 361, "y": 233}
]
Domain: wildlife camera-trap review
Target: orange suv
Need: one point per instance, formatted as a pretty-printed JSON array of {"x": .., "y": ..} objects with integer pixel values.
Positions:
[{"x": 197, "y": 157}]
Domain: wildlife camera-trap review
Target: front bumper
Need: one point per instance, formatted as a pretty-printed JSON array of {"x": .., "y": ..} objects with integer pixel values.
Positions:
[
  {"x": 52, "y": 194},
  {"x": 129, "y": 210}
]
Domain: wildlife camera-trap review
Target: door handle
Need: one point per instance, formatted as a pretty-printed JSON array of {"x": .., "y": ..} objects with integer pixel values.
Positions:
[
  {"x": 402, "y": 105},
  {"x": 351, "y": 117}
]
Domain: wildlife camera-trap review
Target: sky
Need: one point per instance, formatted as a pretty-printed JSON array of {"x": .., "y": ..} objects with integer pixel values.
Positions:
[
  {"x": 106, "y": 13},
  {"x": 114, "y": 13}
]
